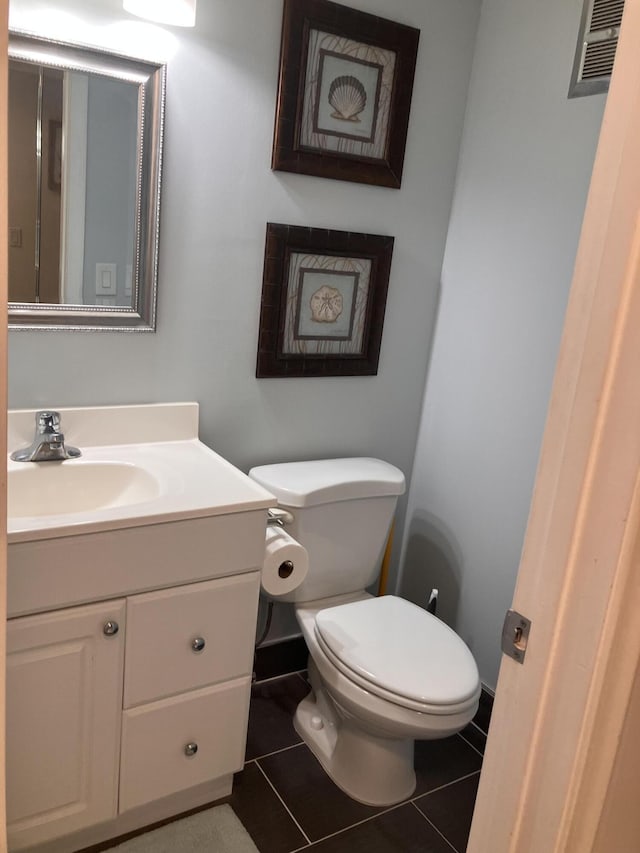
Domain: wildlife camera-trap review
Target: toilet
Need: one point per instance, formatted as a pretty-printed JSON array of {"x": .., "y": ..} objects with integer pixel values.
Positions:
[{"x": 383, "y": 671}]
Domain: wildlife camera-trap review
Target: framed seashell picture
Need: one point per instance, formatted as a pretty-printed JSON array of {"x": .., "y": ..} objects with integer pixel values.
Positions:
[
  {"x": 344, "y": 93},
  {"x": 323, "y": 301}
]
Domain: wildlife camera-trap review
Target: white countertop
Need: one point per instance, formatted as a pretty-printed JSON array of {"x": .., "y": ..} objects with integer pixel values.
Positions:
[{"x": 192, "y": 480}]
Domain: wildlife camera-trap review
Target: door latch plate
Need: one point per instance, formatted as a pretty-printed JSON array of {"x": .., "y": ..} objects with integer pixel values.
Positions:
[{"x": 515, "y": 635}]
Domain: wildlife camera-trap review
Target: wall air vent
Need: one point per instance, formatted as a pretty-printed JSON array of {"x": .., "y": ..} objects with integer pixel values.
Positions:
[{"x": 596, "y": 50}]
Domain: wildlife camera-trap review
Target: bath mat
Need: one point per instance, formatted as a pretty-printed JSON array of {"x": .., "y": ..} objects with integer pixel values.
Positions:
[{"x": 215, "y": 830}]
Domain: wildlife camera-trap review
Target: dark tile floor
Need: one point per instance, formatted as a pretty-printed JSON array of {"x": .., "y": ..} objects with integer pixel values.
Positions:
[{"x": 287, "y": 803}]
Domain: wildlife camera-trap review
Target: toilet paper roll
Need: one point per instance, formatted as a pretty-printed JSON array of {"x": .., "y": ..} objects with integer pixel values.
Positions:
[{"x": 286, "y": 563}]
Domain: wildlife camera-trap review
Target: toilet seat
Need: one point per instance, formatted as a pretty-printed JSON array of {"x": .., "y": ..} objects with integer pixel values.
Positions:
[{"x": 399, "y": 652}]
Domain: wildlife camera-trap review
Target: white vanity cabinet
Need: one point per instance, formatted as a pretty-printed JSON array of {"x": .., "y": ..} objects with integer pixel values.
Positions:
[
  {"x": 121, "y": 704},
  {"x": 111, "y": 731},
  {"x": 64, "y": 710}
]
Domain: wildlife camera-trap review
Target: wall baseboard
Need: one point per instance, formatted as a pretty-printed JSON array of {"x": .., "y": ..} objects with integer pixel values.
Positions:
[{"x": 280, "y": 658}]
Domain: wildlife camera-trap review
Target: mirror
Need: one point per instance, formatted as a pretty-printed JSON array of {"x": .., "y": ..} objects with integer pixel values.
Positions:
[{"x": 85, "y": 154}]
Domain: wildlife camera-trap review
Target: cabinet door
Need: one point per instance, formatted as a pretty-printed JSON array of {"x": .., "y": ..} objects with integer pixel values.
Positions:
[{"x": 64, "y": 700}]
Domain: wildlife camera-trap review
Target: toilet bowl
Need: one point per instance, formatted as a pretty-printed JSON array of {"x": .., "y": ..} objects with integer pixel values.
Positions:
[
  {"x": 369, "y": 704},
  {"x": 383, "y": 671}
]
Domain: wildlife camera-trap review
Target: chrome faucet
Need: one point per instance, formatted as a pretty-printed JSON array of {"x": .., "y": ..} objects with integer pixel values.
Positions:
[{"x": 48, "y": 443}]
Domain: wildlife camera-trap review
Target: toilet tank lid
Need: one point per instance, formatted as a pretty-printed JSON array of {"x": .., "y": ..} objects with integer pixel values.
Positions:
[{"x": 300, "y": 484}]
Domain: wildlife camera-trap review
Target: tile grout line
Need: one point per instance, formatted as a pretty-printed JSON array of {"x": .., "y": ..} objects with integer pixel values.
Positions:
[
  {"x": 275, "y": 752},
  {"x": 285, "y": 805},
  {"x": 278, "y": 677},
  {"x": 480, "y": 729},
  {"x": 434, "y": 827},
  {"x": 441, "y": 787},
  {"x": 468, "y": 742},
  {"x": 353, "y": 825}
]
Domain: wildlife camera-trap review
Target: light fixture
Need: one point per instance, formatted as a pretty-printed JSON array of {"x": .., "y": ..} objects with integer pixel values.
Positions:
[{"x": 178, "y": 13}]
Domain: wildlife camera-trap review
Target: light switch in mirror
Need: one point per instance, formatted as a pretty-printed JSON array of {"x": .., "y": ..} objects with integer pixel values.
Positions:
[{"x": 85, "y": 154}]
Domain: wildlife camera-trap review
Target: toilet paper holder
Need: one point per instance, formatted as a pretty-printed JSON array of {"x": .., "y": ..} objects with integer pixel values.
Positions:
[{"x": 278, "y": 516}]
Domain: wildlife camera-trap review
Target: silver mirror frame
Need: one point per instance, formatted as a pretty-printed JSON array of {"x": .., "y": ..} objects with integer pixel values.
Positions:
[{"x": 151, "y": 80}]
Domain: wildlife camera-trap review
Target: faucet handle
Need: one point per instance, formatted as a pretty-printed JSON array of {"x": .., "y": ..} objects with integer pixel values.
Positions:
[{"x": 47, "y": 421}]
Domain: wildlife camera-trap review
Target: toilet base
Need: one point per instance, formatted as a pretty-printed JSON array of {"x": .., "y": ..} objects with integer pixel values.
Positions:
[{"x": 373, "y": 770}]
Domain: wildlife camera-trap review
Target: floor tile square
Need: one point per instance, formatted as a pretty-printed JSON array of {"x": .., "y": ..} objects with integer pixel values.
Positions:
[
  {"x": 473, "y": 735},
  {"x": 319, "y": 806},
  {"x": 450, "y": 809},
  {"x": 401, "y": 830},
  {"x": 483, "y": 714},
  {"x": 273, "y": 704},
  {"x": 438, "y": 762},
  {"x": 262, "y": 814}
]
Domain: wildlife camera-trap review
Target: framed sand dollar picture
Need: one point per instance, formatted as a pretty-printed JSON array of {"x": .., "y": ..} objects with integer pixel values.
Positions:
[
  {"x": 323, "y": 301},
  {"x": 344, "y": 93}
]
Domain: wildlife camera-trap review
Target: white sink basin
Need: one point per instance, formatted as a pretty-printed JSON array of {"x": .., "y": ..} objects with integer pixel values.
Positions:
[
  {"x": 140, "y": 465},
  {"x": 76, "y": 485}
]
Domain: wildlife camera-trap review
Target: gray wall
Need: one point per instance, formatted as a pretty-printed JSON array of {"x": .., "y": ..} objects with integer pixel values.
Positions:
[
  {"x": 218, "y": 194},
  {"x": 523, "y": 175}
]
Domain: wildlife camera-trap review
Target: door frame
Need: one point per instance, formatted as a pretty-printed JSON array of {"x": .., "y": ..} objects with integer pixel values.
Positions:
[
  {"x": 550, "y": 757},
  {"x": 4, "y": 275}
]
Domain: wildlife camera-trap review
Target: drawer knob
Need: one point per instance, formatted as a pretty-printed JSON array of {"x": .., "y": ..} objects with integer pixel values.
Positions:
[
  {"x": 190, "y": 748},
  {"x": 110, "y": 629},
  {"x": 198, "y": 644}
]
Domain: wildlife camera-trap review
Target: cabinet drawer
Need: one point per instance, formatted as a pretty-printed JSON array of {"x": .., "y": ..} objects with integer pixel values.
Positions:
[
  {"x": 154, "y": 761},
  {"x": 163, "y": 628}
]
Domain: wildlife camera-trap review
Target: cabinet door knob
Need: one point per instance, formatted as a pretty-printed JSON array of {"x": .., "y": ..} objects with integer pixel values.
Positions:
[
  {"x": 190, "y": 748},
  {"x": 198, "y": 644},
  {"x": 110, "y": 628}
]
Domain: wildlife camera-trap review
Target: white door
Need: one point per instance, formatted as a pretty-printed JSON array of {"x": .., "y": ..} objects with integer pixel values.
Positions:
[
  {"x": 552, "y": 752},
  {"x": 64, "y": 709}
]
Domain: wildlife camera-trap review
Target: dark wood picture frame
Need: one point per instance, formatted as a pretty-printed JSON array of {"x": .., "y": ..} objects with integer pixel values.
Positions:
[
  {"x": 323, "y": 301},
  {"x": 367, "y": 151}
]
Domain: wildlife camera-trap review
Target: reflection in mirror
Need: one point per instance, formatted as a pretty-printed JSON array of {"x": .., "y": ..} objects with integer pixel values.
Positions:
[{"x": 85, "y": 133}]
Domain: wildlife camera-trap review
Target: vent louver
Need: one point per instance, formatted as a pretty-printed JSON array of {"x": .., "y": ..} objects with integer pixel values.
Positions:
[
  {"x": 596, "y": 50},
  {"x": 605, "y": 14}
]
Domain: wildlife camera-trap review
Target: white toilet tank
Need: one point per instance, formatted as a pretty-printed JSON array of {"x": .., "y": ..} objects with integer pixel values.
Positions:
[{"x": 342, "y": 509}]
